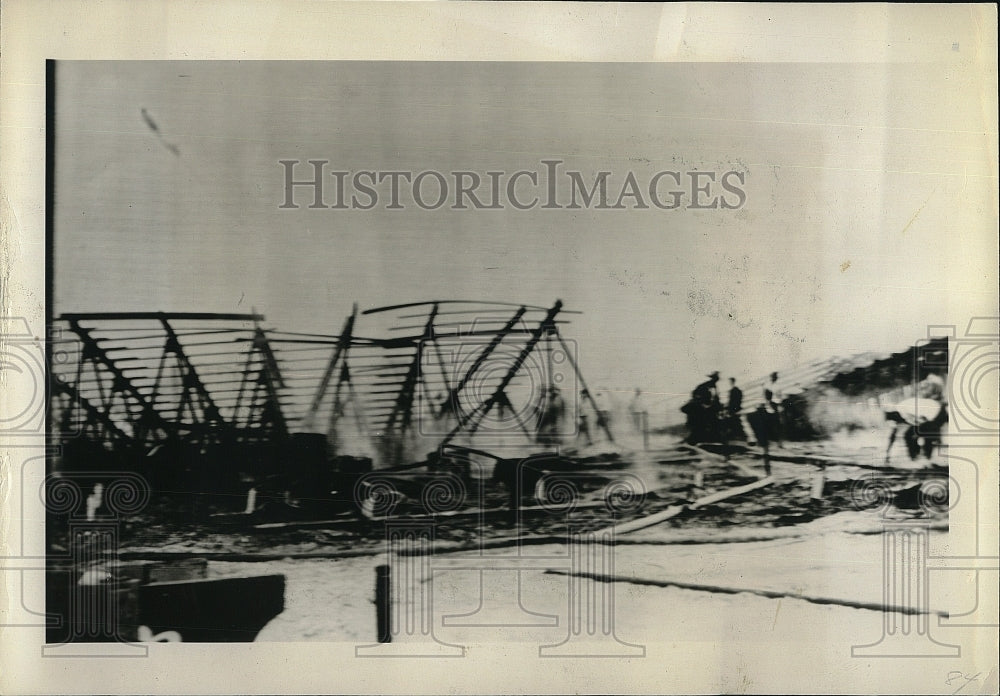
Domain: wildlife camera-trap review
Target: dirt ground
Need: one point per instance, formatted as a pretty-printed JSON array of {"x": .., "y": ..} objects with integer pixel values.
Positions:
[{"x": 804, "y": 548}]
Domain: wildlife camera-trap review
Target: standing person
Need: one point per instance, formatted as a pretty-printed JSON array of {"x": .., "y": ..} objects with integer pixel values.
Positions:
[
  {"x": 558, "y": 407},
  {"x": 637, "y": 409},
  {"x": 772, "y": 404},
  {"x": 765, "y": 420},
  {"x": 759, "y": 421},
  {"x": 707, "y": 393},
  {"x": 548, "y": 429},
  {"x": 734, "y": 404},
  {"x": 703, "y": 411}
]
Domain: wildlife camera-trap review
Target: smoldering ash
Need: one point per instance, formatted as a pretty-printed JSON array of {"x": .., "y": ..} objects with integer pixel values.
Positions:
[{"x": 316, "y": 184}]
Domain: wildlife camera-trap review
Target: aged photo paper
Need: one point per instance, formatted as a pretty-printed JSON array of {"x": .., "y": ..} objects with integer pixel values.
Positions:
[{"x": 438, "y": 347}]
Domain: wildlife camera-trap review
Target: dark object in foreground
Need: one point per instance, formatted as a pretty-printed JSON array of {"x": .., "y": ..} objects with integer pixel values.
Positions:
[
  {"x": 383, "y": 604},
  {"x": 227, "y": 610},
  {"x": 193, "y": 609}
]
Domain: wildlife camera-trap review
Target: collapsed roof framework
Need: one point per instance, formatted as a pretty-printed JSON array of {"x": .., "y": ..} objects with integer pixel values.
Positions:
[
  {"x": 863, "y": 372},
  {"x": 439, "y": 370}
]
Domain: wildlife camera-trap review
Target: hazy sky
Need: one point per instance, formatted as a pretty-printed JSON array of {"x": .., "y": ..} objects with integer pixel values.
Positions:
[{"x": 870, "y": 201}]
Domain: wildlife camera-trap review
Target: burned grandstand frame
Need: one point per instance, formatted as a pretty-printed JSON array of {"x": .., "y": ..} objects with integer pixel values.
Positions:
[{"x": 213, "y": 404}]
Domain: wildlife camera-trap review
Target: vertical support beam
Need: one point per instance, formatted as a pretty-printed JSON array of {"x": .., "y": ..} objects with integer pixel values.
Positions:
[
  {"x": 441, "y": 365},
  {"x": 337, "y": 405}
]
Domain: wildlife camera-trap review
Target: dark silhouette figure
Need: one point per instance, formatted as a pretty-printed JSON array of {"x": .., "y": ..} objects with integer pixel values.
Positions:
[
  {"x": 734, "y": 404},
  {"x": 703, "y": 411}
]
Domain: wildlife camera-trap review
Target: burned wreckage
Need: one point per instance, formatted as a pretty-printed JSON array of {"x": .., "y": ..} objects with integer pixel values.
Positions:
[
  {"x": 210, "y": 407},
  {"x": 473, "y": 419},
  {"x": 222, "y": 420}
]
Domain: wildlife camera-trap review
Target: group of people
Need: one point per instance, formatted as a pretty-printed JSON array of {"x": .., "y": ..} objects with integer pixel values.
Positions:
[
  {"x": 921, "y": 419},
  {"x": 550, "y": 424},
  {"x": 709, "y": 420},
  {"x": 552, "y": 414}
]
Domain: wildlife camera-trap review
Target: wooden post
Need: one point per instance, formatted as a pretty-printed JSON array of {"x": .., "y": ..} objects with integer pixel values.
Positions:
[
  {"x": 383, "y": 604},
  {"x": 403, "y": 585}
]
